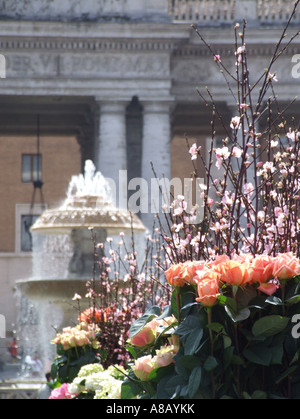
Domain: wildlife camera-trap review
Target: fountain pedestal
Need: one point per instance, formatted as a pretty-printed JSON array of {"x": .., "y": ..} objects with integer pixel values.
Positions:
[{"x": 63, "y": 255}]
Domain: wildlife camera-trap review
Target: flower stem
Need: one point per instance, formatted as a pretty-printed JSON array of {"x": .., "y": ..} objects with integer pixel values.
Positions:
[
  {"x": 211, "y": 338},
  {"x": 178, "y": 302},
  {"x": 209, "y": 316}
]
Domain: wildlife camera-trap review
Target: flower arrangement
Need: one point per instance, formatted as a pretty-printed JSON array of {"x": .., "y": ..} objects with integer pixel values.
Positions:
[
  {"x": 101, "y": 334},
  {"x": 226, "y": 328},
  {"x": 233, "y": 327},
  {"x": 75, "y": 348},
  {"x": 236, "y": 274},
  {"x": 93, "y": 382}
]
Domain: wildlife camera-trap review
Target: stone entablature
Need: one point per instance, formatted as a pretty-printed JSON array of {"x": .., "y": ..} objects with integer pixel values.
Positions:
[
  {"x": 208, "y": 12},
  {"x": 88, "y": 10},
  {"x": 145, "y": 60}
]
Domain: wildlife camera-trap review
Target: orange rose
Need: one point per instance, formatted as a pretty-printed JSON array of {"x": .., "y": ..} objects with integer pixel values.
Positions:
[
  {"x": 92, "y": 315},
  {"x": 220, "y": 259},
  {"x": 268, "y": 288},
  {"x": 286, "y": 266},
  {"x": 207, "y": 275},
  {"x": 236, "y": 273},
  {"x": 183, "y": 273},
  {"x": 208, "y": 292},
  {"x": 173, "y": 276},
  {"x": 262, "y": 266},
  {"x": 189, "y": 270}
]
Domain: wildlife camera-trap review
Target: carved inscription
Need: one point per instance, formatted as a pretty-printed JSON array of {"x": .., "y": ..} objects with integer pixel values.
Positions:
[
  {"x": 87, "y": 65},
  {"x": 23, "y": 65}
]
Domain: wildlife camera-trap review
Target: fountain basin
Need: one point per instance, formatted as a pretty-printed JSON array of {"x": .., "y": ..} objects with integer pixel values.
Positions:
[
  {"x": 85, "y": 212},
  {"x": 54, "y": 290}
]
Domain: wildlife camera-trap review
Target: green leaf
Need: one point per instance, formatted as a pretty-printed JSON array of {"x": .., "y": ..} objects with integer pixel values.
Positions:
[
  {"x": 194, "y": 381},
  {"x": 227, "y": 357},
  {"x": 187, "y": 308},
  {"x": 274, "y": 301},
  {"x": 54, "y": 370},
  {"x": 226, "y": 341},
  {"x": 238, "y": 317},
  {"x": 259, "y": 395},
  {"x": 175, "y": 385},
  {"x": 185, "y": 365},
  {"x": 294, "y": 300},
  {"x": 257, "y": 355},
  {"x": 228, "y": 302},
  {"x": 242, "y": 315},
  {"x": 159, "y": 373},
  {"x": 190, "y": 362},
  {"x": 216, "y": 327},
  {"x": 237, "y": 360},
  {"x": 189, "y": 325},
  {"x": 60, "y": 350},
  {"x": 277, "y": 354},
  {"x": 166, "y": 313},
  {"x": 210, "y": 364},
  {"x": 270, "y": 326},
  {"x": 193, "y": 341}
]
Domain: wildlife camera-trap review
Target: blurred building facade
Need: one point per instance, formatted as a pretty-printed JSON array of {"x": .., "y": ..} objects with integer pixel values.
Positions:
[{"x": 113, "y": 81}]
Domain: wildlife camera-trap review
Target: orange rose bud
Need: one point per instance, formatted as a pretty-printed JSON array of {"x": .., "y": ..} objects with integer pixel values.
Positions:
[{"x": 208, "y": 292}]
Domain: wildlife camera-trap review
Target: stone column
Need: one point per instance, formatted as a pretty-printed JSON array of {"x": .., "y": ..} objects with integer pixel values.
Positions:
[
  {"x": 111, "y": 154},
  {"x": 156, "y": 149}
]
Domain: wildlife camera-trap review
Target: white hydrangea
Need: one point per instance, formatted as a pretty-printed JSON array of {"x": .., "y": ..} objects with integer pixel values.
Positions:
[
  {"x": 90, "y": 369},
  {"x": 111, "y": 390},
  {"x": 93, "y": 378}
]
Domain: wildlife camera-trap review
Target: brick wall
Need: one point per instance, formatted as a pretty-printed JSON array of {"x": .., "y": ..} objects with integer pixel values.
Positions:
[{"x": 60, "y": 159}]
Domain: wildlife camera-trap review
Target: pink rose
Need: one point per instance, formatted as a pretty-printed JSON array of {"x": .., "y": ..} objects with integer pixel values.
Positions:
[
  {"x": 61, "y": 393},
  {"x": 82, "y": 339},
  {"x": 143, "y": 367},
  {"x": 65, "y": 342},
  {"x": 164, "y": 356},
  {"x": 145, "y": 337}
]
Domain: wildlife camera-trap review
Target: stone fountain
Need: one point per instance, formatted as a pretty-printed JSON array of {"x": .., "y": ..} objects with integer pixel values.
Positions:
[{"x": 63, "y": 256}]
